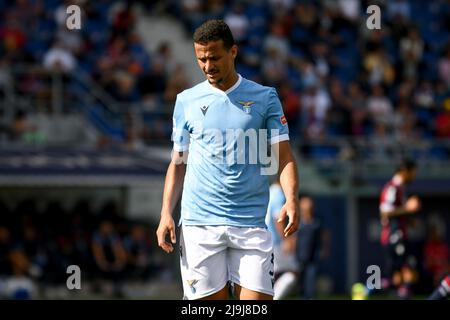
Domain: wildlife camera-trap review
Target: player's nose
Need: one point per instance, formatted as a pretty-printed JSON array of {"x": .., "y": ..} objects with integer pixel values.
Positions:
[{"x": 209, "y": 67}]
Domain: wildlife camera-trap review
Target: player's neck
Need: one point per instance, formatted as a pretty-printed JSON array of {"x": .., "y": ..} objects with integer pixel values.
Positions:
[{"x": 228, "y": 83}]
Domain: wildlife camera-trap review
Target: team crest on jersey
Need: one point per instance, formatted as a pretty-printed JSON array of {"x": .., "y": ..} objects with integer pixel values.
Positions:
[
  {"x": 246, "y": 105},
  {"x": 191, "y": 284}
]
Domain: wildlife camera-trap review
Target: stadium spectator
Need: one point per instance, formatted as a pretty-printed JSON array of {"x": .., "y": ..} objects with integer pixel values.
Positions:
[
  {"x": 436, "y": 255},
  {"x": 124, "y": 20},
  {"x": 442, "y": 121},
  {"x": 276, "y": 43},
  {"x": 405, "y": 123},
  {"x": 176, "y": 83},
  {"x": 379, "y": 106},
  {"x": 58, "y": 58},
  {"x": 339, "y": 116},
  {"x": 274, "y": 69},
  {"x": 399, "y": 8},
  {"x": 164, "y": 57},
  {"x": 315, "y": 105},
  {"x": 411, "y": 52},
  {"x": 444, "y": 66},
  {"x": 378, "y": 66},
  {"x": 360, "y": 116},
  {"x": 239, "y": 23},
  {"x": 22, "y": 129},
  {"x": 6, "y": 246},
  {"x": 308, "y": 248},
  {"x": 109, "y": 255},
  {"x": 140, "y": 264},
  {"x": 291, "y": 102}
]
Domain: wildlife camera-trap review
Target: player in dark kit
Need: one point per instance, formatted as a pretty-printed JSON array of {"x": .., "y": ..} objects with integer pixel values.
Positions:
[
  {"x": 442, "y": 292},
  {"x": 394, "y": 212}
]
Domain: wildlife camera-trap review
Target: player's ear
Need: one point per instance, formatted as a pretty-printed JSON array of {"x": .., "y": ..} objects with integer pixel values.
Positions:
[{"x": 233, "y": 51}]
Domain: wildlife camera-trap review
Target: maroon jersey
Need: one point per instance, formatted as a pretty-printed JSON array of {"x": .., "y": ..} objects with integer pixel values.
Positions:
[{"x": 392, "y": 197}]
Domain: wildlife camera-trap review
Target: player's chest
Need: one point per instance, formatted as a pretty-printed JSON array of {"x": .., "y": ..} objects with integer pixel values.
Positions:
[{"x": 221, "y": 113}]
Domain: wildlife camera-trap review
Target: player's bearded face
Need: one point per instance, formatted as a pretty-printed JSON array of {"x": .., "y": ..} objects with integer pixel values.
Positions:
[{"x": 216, "y": 62}]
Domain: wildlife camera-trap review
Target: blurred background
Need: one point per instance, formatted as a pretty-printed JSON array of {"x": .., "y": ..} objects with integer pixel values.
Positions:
[{"x": 85, "y": 125}]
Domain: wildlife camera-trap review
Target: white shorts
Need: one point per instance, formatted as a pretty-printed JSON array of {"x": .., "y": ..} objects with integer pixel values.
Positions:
[{"x": 210, "y": 256}]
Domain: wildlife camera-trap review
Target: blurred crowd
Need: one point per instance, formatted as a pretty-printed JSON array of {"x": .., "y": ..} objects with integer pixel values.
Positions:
[
  {"x": 38, "y": 244},
  {"x": 107, "y": 49},
  {"x": 335, "y": 77}
]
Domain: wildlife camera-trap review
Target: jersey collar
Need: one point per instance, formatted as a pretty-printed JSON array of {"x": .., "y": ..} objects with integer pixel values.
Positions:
[{"x": 231, "y": 89}]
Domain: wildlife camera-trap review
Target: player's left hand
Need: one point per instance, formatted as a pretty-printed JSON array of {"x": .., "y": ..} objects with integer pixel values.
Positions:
[{"x": 290, "y": 210}]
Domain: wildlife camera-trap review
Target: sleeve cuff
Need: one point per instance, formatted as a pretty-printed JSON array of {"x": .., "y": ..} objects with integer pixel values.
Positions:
[
  {"x": 281, "y": 137},
  {"x": 180, "y": 148}
]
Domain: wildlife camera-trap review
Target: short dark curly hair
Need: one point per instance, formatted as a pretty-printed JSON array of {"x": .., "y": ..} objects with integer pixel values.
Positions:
[
  {"x": 407, "y": 164},
  {"x": 214, "y": 30}
]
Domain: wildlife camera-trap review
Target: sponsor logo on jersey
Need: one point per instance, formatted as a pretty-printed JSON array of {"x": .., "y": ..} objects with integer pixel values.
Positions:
[{"x": 204, "y": 109}]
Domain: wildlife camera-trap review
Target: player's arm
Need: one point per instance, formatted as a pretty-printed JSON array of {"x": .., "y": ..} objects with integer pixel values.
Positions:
[
  {"x": 287, "y": 171},
  {"x": 411, "y": 206},
  {"x": 172, "y": 192}
]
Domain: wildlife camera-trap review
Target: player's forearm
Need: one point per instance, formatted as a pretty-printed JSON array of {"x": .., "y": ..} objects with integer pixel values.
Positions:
[
  {"x": 401, "y": 211},
  {"x": 289, "y": 179},
  {"x": 287, "y": 170},
  {"x": 173, "y": 187}
]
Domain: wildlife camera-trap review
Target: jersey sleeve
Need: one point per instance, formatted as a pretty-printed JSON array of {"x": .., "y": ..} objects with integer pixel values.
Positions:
[
  {"x": 276, "y": 123},
  {"x": 180, "y": 133}
]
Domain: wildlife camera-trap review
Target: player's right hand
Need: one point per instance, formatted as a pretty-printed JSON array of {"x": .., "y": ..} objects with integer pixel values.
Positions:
[
  {"x": 166, "y": 226},
  {"x": 412, "y": 205}
]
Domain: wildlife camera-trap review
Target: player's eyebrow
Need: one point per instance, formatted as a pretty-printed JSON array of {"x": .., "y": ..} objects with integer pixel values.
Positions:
[{"x": 211, "y": 57}]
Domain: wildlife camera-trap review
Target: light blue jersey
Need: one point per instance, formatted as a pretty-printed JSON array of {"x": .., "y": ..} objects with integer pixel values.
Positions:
[
  {"x": 276, "y": 202},
  {"x": 219, "y": 187}
]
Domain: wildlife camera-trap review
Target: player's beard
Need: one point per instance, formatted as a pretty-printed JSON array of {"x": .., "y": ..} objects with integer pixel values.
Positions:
[
  {"x": 218, "y": 81},
  {"x": 213, "y": 81}
]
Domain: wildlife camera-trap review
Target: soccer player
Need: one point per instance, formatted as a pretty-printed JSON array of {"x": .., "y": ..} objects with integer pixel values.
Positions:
[
  {"x": 223, "y": 235},
  {"x": 285, "y": 263},
  {"x": 394, "y": 211},
  {"x": 442, "y": 292}
]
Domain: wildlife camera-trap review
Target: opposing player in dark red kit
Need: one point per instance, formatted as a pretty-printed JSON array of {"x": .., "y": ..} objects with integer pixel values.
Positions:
[
  {"x": 442, "y": 292},
  {"x": 394, "y": 211}
]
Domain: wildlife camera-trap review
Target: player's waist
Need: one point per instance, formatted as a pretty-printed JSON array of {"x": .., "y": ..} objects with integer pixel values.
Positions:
[{"x": 196, "y": 216}]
